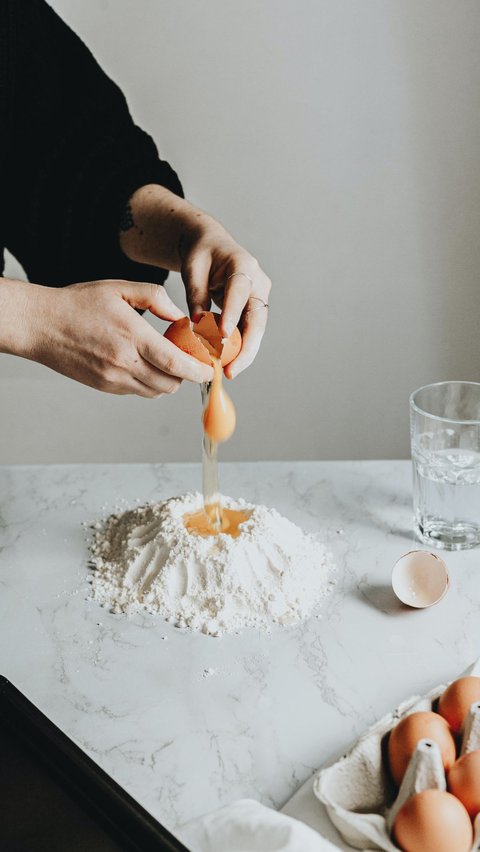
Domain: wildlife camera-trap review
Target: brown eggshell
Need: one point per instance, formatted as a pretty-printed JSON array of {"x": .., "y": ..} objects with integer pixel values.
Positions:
[
  {"x": 180, "y": 333},
  {"x": 463, "y": 781},
  {"x": 207, "y": 328},
  {"x": 204, "y": 341},
  {"x": 405, "y": 736},
  {"x": 457, "y": 699},
  {"x": 433, "y": 821}
]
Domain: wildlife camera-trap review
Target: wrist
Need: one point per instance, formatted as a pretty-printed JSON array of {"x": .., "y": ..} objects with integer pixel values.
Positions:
[
  {"x": 200, "y": 229},
  {"x": 19, "y": 317},
  {"x": 159, "y": 224}
]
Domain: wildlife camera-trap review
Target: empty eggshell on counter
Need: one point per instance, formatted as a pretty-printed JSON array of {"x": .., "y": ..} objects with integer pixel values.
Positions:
[{"x": 420, "y": 579}]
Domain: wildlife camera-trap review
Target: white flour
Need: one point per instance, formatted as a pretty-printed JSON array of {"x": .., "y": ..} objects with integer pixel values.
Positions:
[{"x": 145, "y": 559}]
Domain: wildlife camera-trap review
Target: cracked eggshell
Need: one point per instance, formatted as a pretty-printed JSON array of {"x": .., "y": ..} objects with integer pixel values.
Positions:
[
  {"x": 420, "y": 579},
  {"x": 226, "y": 348},
  {"x": 355, "y": 789},
  {"x": 203, "y": 340}
]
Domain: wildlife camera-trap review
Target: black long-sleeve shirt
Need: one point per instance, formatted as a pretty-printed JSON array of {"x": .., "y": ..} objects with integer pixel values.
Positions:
[{"x": 70, "y": 154}]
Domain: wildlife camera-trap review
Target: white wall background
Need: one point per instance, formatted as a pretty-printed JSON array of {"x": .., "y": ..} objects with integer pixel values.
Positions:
[{"x": 340, "y": 142}]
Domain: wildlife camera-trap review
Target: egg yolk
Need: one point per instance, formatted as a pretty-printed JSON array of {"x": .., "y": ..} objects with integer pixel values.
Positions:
[
  {"x": 199, "y": 523},
  {"x": 219, "y": 417}
]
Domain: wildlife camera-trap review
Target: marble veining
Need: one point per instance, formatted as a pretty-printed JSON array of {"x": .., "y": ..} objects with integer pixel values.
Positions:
[{"x": 186, "y": 722}]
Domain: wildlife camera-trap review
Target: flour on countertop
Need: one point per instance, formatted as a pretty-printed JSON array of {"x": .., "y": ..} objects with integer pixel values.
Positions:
[{"x": 144, "y": 558}]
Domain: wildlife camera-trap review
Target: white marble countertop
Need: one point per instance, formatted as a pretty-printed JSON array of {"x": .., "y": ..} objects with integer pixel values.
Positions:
[{"x": 134, "y": 692}]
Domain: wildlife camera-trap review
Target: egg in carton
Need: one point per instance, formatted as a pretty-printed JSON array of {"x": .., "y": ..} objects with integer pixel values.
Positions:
[{"x": 357, "y": 791}]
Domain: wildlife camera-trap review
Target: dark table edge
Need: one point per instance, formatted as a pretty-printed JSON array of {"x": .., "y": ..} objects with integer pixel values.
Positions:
[{"x": 109, "y": 804}]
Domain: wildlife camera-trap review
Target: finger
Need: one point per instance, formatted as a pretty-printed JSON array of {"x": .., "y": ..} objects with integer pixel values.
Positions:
[
  {"x": 156, "y": 380},
  {"x": 195, "y": 274},
  {"x": 253, "y": 329},
  {"x": 140, "y": 389},
  {"x": 126, "y": 386},
  {"x": 153, "y": 297},
  {"x": 165, "y": 356},
  {"x": 237, "y": 291}
]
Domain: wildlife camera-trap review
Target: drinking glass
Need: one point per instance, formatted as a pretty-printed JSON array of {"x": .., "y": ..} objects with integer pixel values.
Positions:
[{"x": 445, "y": 436}]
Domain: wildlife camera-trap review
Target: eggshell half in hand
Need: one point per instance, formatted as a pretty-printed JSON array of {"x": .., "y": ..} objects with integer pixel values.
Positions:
[
  {"x": 433, "y": 821},
  {"x": 181, "y": 334},
  {"x": 463, "y": 781},
  {"x": 457, "y": 699},
  {"x": 203, "y": 340},
  {"x": 207, "y": 329},
  {"x": 420, "y": 579},
  {"x": 409, "y": 731}
]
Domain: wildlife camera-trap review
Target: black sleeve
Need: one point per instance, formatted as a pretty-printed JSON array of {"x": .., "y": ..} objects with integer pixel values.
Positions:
[{"x": 74, "y": 154}]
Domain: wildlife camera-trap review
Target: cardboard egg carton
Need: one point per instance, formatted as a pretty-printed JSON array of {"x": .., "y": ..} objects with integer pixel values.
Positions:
[{"x": 357, "y": 792}]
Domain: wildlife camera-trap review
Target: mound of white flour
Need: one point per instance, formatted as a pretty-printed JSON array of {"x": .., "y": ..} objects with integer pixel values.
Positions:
[{"x": 145, "y": 558}]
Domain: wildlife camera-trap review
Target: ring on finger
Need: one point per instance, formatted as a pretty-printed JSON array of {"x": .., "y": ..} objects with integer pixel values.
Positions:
[
  {"x": 259, "y": 307},
  {"x": 240, "y": 273}
]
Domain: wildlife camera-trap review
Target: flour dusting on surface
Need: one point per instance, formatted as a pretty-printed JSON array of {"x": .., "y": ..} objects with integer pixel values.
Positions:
[{"x": 144, "y": 558}]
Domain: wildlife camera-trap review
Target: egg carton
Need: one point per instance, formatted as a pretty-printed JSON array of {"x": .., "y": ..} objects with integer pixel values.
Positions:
[{"x": 358, "y": 794}]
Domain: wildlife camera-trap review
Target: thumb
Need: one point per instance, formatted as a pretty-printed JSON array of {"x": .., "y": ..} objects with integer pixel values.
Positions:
[
  {"x": 152, "y": 297},
  {"x": 195, "y": 273}
]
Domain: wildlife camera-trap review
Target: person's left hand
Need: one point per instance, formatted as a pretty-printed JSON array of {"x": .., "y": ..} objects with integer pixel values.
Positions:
[
  {"x": 164, "y": 230},
  {"x": 215, "y": 268}
]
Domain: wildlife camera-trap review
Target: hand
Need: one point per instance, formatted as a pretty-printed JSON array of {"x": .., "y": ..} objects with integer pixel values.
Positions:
[
  {"x": 90, "y": 332},
  {"x": 165, "y": 230},
  {"x": 214, "y": 267}
]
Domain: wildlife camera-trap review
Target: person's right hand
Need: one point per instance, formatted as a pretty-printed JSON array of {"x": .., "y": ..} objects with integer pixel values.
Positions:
[{"x": 91, "y": 332}]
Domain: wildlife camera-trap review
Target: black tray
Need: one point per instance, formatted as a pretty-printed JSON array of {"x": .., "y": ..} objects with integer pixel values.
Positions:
[{"x": 54, "y": 798}]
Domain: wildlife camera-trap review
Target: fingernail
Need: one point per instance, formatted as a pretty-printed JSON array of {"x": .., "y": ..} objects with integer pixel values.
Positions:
[{"x": 227, "y": 328}]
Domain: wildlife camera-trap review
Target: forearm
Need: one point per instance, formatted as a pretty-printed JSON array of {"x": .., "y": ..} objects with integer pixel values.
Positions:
[
  {"x": 155, "y": 225},
  {"x": 17, "y": 317}
]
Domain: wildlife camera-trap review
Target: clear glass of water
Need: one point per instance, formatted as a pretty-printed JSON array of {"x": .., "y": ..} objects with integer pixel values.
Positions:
[{"x": 445, "y": 435}]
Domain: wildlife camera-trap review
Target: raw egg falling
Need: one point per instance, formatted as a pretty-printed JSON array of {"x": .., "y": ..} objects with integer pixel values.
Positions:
[{"x": 203, "y": 340}]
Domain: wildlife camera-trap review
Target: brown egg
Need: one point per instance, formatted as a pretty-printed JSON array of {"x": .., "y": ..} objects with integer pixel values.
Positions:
[
  {"x": 457, "y": 699},
  {"x": 433, "y": 821},
  {"x": 204, "y": 340},
  {"x": 463, "y": 781},
  {"x": 405, "y": 736}
]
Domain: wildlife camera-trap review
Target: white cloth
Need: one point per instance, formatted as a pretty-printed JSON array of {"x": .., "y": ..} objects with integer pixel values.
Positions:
[{"x": 248, "y": 826}]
